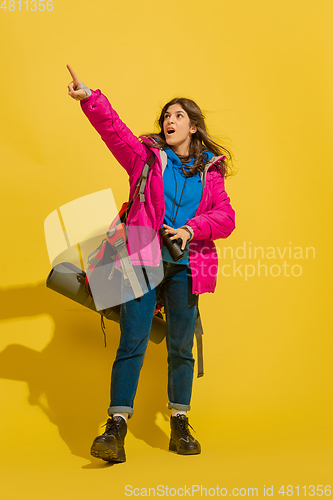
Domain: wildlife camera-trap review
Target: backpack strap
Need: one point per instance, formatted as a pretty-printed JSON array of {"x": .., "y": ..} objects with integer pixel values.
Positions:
[
  {"x": 138, "y": 190},
  {"x": 92, "y": 260},
  {"x": 140, "y": 187},
  {"x": 198, "y": 335},
  {"x": 120, "y": 245},
  {"x": 143, "y": 178}
]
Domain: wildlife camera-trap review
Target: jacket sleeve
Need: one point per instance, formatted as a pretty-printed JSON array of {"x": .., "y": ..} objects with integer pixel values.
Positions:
[
  {"x": 122, "y": 143},
  {"x": 219, "y": 221}
]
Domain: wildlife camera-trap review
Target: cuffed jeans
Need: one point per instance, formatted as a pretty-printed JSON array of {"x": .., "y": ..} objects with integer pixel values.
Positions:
[{"x": 136, "y": 315}]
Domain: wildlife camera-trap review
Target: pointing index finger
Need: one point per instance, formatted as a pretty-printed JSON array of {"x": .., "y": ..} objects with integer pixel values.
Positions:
[{"x": 75, "y": 78}]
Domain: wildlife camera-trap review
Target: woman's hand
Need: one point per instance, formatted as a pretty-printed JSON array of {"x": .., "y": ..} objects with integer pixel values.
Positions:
[
  {"x": 75, "y": 94},
  {"x": 183, "y": 234}
]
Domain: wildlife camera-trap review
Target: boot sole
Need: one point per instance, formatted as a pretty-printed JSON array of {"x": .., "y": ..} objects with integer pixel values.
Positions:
[
  {"x": 102, "y": 451},
  {"x": 173, "y": 446}
]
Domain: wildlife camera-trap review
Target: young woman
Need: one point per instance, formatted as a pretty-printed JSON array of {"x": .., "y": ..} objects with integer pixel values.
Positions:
[{"x": 185, "y": 195}]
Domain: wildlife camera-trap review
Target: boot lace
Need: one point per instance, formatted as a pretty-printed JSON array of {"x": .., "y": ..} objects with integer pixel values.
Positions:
[
  {"x": 111, "y": 427},
  {"x": 183, "y": 427}
]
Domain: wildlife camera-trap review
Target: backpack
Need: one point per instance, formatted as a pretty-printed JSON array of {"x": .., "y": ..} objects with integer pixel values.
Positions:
[{"x": 77, "y": 285}]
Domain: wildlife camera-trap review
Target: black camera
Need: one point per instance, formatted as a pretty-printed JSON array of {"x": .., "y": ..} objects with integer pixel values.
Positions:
[{"x": 172, "y": 245}]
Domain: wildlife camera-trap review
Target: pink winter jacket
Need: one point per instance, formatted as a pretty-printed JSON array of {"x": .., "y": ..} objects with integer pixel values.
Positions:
[{"x": 214, "y": 218}]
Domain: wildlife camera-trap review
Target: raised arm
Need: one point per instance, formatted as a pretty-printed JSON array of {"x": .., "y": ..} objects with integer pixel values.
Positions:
[{"x": 122, "y": 143}]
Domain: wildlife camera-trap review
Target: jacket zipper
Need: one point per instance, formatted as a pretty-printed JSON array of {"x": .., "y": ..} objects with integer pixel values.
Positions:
[{"x": 204, "y": 182}]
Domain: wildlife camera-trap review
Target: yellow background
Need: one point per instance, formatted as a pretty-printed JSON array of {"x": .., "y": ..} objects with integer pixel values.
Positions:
[{"x": 262, "y": 72}]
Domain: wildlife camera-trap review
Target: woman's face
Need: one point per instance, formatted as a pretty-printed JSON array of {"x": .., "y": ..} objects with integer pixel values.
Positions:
[{"x": 178, "y": 129}]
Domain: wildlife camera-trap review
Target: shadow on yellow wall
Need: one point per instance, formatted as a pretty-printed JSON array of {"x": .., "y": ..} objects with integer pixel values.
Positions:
[{"x": 69, "y": 378}]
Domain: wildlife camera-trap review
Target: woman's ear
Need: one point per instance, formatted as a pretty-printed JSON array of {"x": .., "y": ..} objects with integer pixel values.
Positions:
[{"x": 193, "y": 129}]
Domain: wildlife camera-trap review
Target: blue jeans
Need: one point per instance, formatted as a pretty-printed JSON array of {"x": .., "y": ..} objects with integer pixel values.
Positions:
[{"x": 181, "y": 307}]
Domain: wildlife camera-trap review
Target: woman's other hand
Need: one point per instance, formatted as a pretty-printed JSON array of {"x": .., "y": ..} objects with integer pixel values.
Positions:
[
  {"x": 75, "y": 94},
  {"x": 183, "y": 234}
]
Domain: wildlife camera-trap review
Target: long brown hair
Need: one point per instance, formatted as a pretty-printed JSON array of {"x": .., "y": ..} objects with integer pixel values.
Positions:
[{"x": 200, "y": 140}]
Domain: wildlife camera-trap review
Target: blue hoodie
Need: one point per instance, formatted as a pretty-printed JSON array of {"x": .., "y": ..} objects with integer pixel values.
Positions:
[{"x": 173, "y": 184}]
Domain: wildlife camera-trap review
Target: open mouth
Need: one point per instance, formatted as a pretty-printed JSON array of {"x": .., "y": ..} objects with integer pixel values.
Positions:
[{"x": 170, "y": 131}]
